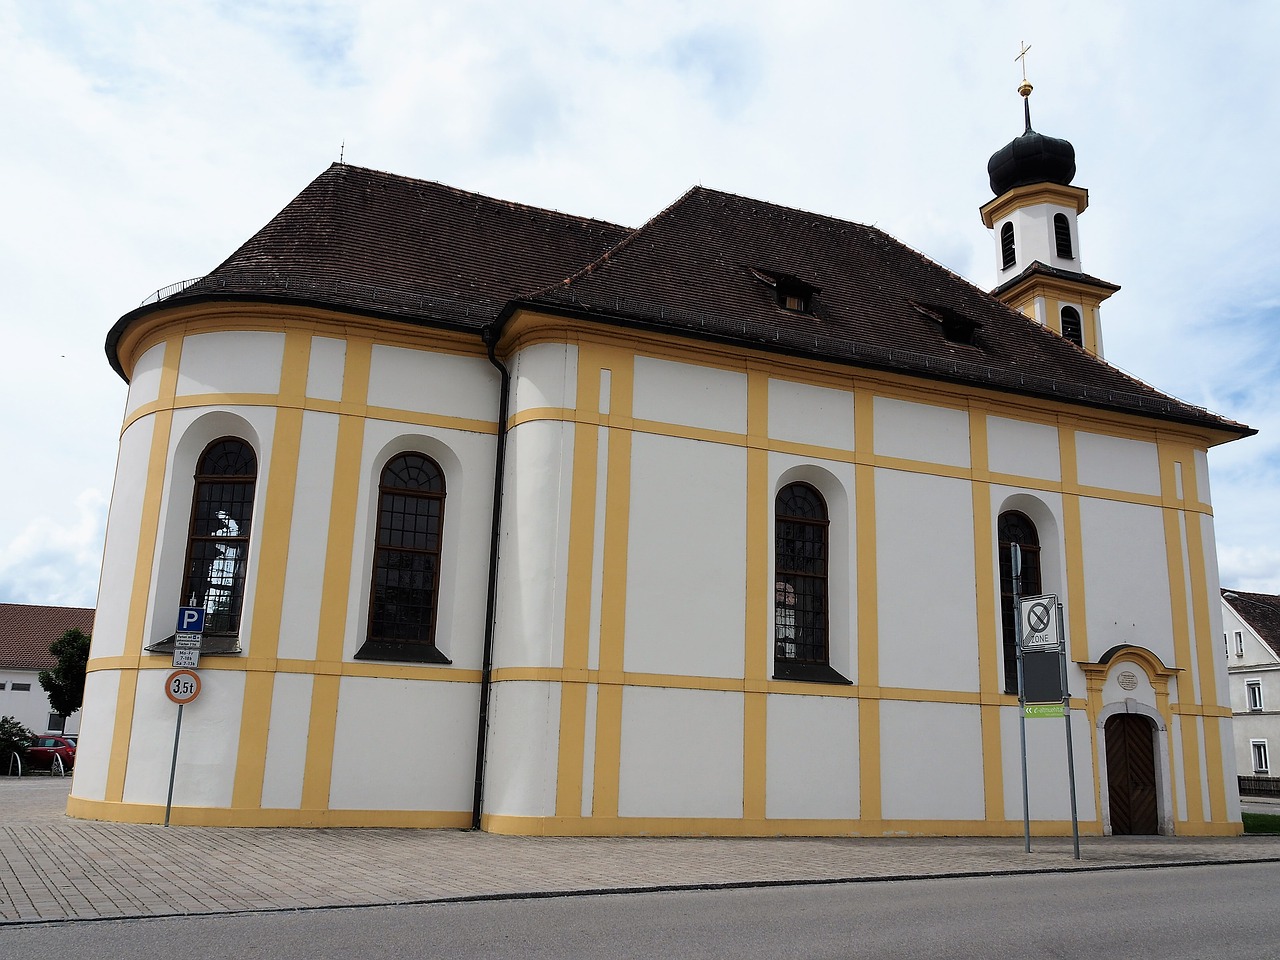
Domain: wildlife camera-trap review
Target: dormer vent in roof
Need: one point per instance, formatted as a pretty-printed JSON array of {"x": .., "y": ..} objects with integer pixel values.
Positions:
[
  {"x": 956, "y": 327},
  {"x": 792, "y": 292}
]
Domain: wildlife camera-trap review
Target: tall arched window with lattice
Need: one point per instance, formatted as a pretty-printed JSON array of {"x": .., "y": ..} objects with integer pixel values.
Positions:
[
  {"x": 1016, "y": 527},
  {"x": 218, "y": 544},
  {"x": 801, "y": 641},
  {"x": 404, "y": 592}
]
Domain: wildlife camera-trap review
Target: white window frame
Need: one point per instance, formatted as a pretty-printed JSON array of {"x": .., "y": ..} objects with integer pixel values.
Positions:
[
  {"x": 1239, "y": 643},
  {"x": 1253, "y": 695},
  {"x": 1258, "y": 748}
]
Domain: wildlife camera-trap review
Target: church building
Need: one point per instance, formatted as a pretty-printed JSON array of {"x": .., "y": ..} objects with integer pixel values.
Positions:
[{"x": 507, "y": 518}]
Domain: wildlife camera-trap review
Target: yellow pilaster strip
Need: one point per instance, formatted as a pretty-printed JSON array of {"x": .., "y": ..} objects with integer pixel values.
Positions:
[
  {"x": 577, "y": 616},
  {"x": 613, "y": 606},
  {"x": 1173, "y": 543},
  {"x": 989, "y": 636},
  {"x": 140, "y": 595},
  {"x": 337, "y": 574},
  {"x": 273, "y": 559},
  {"x": 868, "y": 609},
  {"x": 759, "y": 596},
  {"x": 1202, "y": 638},
  {"x": 1073, "y": 544}
]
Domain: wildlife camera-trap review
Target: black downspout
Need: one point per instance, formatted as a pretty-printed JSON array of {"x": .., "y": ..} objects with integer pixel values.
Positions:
[{"x": 486, "y": 670}]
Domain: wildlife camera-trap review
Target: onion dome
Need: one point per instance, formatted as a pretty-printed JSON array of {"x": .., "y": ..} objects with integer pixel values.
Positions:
[{"x": 1031, "y": 158}]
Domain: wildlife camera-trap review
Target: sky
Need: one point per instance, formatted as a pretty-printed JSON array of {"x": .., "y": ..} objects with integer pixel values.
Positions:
[{"x": 144, "y": 140}]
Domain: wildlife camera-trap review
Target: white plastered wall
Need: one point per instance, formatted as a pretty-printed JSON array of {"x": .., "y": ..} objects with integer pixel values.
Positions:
[
  {"x": 1126, "y": 580},
  {"x": 97, "y": 728},
  {"x": 423, "y": 381},
  {"x": 925, "y": 582},
  {"x": 537, "y": 498},
  {"x": 144, "y": 379},
  {"x": 1023, "y": 448},
  {"x": 686, "y": 547},
  {"x": 813, "y": 755},
  {"x": 308, "y": 537},
  {"x": 287, "y": 741},
  {"x": 1117, "y": 463},
  {"x": 522, "y": 758},
  {"x": 544, "y": 375},
  {"x": 427, "y": 733},
  {"x": 805, "y": 413},
  {"x": 120, "y": 552},
  {"x": 689, "y": 394},
  {"x": 207, "y": 753},
  {"x": 238, "y": 361},
  {"x": 1048, "y": 786},
  {"x": 681, "y": 753},
  {"x": 920, "y": 431},
  {"x": 931, "y": 761}
]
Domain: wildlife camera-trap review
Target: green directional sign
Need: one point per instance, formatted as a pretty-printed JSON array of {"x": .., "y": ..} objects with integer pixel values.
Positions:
[{"x": 1035, "y": 711}]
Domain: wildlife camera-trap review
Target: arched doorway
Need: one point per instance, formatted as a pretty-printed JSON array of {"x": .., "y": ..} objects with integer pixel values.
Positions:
[{"x": 1131, "y": 774}]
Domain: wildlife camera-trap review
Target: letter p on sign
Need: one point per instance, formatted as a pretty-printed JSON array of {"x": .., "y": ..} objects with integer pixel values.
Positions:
[{"x": 191, "y": 620}]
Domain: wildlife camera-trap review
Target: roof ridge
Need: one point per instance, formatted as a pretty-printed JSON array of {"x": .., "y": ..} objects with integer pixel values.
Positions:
[{"x": 470, "y": 194}]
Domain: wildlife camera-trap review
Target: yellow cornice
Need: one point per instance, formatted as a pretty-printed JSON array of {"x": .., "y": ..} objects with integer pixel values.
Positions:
[
  {"x": 1032, "y": 193},
  {"x": 1085, "y": 292},
  {"x": 209, "y": 317}
]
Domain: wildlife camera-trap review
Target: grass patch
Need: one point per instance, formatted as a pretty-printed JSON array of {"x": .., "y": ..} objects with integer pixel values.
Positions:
[{"x": 1261, "y": 822}]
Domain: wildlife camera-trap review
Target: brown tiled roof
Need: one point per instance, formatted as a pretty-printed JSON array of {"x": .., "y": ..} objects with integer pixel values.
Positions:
[
  {"x": 372, "y": 242},
  {"x": 26, "y": 630},
  {"x": 695, "y": 267},
  {"x": 1261, "y": 611}
]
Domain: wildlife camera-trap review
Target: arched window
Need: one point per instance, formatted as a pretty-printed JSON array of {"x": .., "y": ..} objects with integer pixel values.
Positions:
[
  {"x": 800, "y": 585},
  {"x": 1062, "y": 236},
  {"x": 405, "y": 590},
  {"x": 1015, "y": 527},
  {"x": 218, "y": 545},
  {"x": 1072, "y": 329},
  {"x": 1008, "y": 255}
]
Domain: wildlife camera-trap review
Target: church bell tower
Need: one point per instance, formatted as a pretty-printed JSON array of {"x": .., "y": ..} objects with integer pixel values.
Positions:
[{"x": 1034, "y": 217}]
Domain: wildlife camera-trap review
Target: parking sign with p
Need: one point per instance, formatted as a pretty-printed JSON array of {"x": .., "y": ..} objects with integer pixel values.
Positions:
[{"x": 191, "y": 620}]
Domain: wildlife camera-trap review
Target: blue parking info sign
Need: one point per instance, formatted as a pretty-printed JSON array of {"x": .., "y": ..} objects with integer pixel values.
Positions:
[{"x": 190, "y": 620}]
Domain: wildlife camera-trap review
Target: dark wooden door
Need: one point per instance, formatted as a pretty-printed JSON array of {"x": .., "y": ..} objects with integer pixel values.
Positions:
[{"x": 1131, "y": 774}]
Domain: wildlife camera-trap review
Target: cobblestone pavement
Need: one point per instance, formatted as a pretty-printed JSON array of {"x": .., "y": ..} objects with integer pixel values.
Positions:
[{"x": 54, "y": 868}]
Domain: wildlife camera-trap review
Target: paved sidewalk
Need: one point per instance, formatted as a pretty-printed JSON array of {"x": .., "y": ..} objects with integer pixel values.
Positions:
[{"x": 54, "y": 868}]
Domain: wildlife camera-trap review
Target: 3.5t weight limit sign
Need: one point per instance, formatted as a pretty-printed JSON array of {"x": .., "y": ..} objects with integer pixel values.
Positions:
[
  {"x": 182, "y": 686},
  {"x": 1039, "y": 622}
]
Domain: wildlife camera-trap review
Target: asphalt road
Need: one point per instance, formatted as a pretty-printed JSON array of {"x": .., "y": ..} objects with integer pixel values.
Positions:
[{"x": 1203, "y": 912}]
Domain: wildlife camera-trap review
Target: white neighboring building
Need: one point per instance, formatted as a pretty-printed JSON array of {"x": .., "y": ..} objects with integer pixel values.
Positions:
[
  {"x": 1251, "y": 635},
  {"x": 26, "y": 631}
]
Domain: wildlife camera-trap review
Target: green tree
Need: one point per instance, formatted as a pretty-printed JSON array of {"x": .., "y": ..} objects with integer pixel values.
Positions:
[
  {"x": 14, "y": 738},
  {"x": 65, "y": 682}
]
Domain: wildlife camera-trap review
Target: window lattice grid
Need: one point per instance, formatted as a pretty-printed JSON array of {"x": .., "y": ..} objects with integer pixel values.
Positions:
[
  {"x": 404, "y": 592},
  {"x": 1015, "y": 527},
  {"x": 218, "y": 543},
  {"x": 800, "y": 575}
]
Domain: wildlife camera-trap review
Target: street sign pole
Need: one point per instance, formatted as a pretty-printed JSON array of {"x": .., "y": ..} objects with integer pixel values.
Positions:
[
  {"x": 1016, "y": 560},
  {"x": 173, "y": 766},
  {"x": 1071, "y": 757}
]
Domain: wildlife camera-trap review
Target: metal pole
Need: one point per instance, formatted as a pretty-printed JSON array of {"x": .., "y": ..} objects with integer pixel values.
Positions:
[
  {"x": 1066, "y": 713},
  {"x": 1016, "y": 561},
  {"x": 173, "y": 767}
]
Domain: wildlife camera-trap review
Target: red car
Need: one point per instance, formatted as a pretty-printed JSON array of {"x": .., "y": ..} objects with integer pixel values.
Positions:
[{"x": 41, "y": 753}]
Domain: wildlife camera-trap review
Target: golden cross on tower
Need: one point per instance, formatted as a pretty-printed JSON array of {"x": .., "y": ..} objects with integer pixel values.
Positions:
[
  {"x": 1022, "y": 55},
  {"x": 1024, "y": 88}
]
